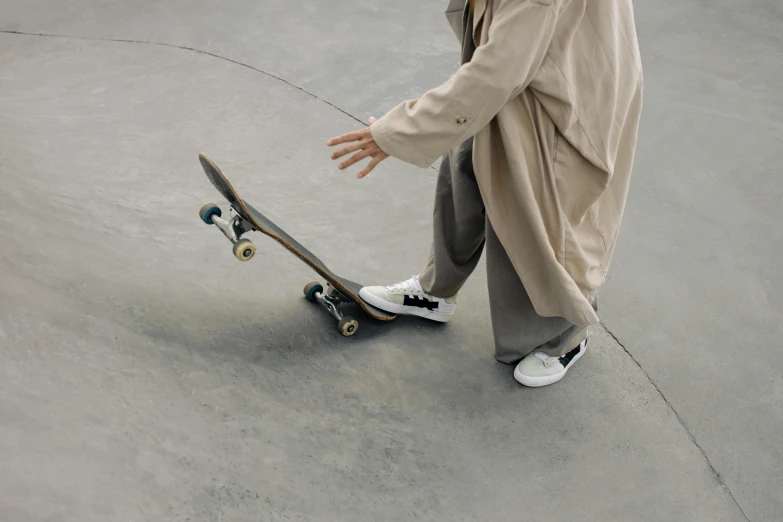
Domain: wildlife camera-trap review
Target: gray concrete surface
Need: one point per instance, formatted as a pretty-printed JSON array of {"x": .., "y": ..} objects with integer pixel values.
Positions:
[{"x": 147, "y": 375}]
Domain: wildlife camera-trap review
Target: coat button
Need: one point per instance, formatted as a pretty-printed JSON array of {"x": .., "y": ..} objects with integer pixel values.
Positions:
[{"x": 461, "y": 120}]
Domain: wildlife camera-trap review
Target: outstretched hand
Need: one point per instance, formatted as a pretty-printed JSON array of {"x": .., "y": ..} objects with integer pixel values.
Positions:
[{"x": 363, "y": 144}]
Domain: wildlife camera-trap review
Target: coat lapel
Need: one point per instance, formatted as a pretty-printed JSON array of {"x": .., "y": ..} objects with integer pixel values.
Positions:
[
  {"x": 454, "y": 14},
  {"x": 478, "y": 18}
]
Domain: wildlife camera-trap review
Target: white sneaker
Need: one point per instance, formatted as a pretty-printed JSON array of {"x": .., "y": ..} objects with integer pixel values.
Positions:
[
  {"x": 408, "y": 298},
  {"x": 539, "y": 369}
]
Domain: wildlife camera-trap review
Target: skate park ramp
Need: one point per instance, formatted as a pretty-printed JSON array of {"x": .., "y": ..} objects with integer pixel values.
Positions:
[{"x": 149, "y": 375}]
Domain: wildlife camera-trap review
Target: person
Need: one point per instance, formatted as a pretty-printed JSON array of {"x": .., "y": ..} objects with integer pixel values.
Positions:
[{"x": 537, "y": 130}]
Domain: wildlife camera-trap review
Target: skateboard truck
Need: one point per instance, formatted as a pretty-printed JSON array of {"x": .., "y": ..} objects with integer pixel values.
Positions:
[
  {"x": 244, "y": 250},
  {"x": 332, "y": 300}
]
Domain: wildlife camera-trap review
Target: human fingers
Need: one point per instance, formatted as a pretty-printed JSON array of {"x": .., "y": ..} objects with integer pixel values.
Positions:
[
  {"x": 347, "y": 137},
  {"x": 370, "y": 166},
  {"x": 353, "y": 159},
  {"x": 350, "y": 148}
]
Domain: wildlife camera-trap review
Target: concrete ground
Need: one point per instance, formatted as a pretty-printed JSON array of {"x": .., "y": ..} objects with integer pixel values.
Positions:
[{"x": 148, "y": 375}]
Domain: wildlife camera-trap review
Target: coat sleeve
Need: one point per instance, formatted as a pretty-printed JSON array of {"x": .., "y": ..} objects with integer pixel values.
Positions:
[{"x": 420, "y": 131}]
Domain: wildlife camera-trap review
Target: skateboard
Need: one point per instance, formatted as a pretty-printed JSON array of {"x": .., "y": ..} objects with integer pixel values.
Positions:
[{"x": 244, "y": 218}]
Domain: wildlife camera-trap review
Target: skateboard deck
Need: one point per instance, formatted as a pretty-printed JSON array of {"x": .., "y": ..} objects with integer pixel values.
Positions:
[{"x": 247, "y": 218}]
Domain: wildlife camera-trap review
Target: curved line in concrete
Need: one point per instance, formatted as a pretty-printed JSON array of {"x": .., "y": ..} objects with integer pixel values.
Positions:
[
  {"x": 199, "y": 51},
  {"x": 191, "y": 49}
]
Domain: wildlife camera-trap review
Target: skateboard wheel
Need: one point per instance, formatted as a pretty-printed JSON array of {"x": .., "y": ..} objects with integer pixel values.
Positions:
[
  {"x": 348, "y": 326},
  {"x": 312, "y": 288},
  {"x": 244, "y": 250},
  {"x": 209, "y": 210}
]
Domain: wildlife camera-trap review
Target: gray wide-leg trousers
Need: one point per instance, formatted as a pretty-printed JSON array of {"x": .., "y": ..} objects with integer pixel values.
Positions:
[{"x": 461, "y": 233}]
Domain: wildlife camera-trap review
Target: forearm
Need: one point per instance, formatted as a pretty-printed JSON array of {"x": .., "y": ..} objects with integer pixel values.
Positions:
[{"x": 420, "y": 131}]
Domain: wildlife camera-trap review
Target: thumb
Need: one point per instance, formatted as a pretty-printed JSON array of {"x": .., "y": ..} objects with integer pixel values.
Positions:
[{"x": 372, "y": 120}]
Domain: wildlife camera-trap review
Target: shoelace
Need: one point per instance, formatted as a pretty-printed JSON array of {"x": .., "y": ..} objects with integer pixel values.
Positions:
[{"x": 410, "y": 284}]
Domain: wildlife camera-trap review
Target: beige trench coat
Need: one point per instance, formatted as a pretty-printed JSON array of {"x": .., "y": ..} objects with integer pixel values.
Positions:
[{"x": 553, "y": 96}]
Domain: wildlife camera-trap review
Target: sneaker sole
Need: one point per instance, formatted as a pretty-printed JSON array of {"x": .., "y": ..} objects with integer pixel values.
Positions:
[
  {"x": 392, "y": 308},
  {"x": 546, "y": 380}
]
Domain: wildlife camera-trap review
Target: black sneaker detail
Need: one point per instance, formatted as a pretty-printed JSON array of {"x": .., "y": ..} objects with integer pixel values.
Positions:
[
  {"x": 419, "y": 302},
  {"x": 566, "y": 359}
]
